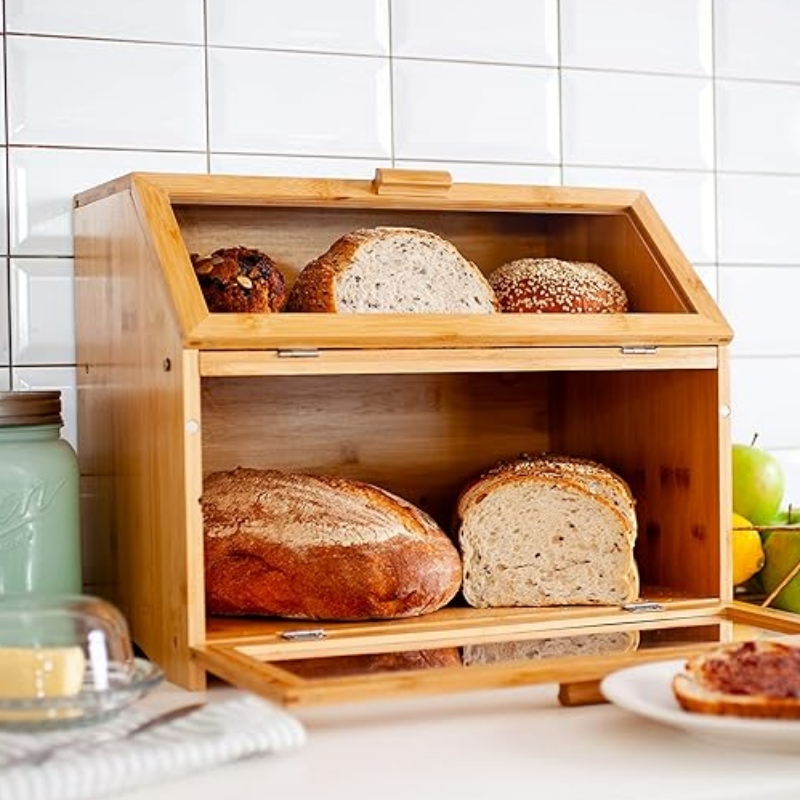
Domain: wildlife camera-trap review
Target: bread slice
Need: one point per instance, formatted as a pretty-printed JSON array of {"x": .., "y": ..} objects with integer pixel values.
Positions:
[
  {"x": 320, "y": 547},
  {"x": 743, "y": 679},
  {"x": 548, "y": 530},
  {"x": 392, "y": 270}
]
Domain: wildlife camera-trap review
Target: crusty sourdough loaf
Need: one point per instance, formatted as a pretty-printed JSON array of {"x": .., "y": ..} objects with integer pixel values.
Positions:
[
  {"x": 320, "y": 547},
  {"x": 541, "y": 285},
  {"x": 240, "y": 279},
  {"x": 744, "y": 679},
  {"x": 547, "y": 530},
  {"x": 578, "y": 644},
  {"x": 392, "y": 270}
]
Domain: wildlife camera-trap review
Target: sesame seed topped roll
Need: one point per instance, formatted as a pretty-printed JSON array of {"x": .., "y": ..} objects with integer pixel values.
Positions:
[{"x": 542, "y": 285}]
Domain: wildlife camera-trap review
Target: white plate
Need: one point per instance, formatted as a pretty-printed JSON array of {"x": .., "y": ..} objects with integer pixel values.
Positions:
[{"x": 647, "y": 690}]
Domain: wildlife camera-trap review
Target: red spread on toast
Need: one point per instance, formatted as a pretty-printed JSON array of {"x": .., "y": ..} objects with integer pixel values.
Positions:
[{"x": 748, "y": 670}]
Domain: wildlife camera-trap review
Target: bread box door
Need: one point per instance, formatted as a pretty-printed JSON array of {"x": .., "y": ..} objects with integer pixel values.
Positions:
[{"x": 342, "y": 663}]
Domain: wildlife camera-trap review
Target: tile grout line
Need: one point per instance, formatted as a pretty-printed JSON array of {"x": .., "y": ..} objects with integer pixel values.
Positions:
[
  {"x": 206, "y": 83},
  {"x": 560, "y": 95},
  {"x": 714, "y": 152},
  {"x": 7, "y": 189},
  {"x": 392, "y": 120}
]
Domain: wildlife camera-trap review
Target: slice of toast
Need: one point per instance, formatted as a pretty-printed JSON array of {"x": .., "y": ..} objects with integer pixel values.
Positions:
[{"x": 742, "y": 679}]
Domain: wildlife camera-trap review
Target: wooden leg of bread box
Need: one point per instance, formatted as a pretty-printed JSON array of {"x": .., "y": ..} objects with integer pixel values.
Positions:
[{"x": 580, "y": 693}]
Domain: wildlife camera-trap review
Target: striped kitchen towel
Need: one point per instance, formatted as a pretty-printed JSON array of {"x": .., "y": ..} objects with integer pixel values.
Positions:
[{"x": 111, "y": 757}]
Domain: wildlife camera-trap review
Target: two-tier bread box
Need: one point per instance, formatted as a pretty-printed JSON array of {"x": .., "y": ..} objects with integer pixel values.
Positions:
[{"x": 417, "y": 404}]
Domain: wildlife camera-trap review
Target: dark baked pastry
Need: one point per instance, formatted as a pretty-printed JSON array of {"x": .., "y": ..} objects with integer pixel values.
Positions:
[
  {"x": 240, "y": 279},
  {"x": 540, "y": 285}
]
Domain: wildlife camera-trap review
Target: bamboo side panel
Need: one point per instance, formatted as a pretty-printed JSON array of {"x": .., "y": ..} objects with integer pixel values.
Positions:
[{"x": 133, "y": 384}]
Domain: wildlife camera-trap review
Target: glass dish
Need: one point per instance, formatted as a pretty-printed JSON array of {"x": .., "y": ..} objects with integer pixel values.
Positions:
[{"x": 66, "y": 660}]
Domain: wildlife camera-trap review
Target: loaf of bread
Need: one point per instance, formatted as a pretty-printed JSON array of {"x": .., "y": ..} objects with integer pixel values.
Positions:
[
  {"x": 240, "y": 279},
  {"x": 541, "y": 285},
  {"x": 392, "y": 270},
  {"x": 373, "y": 663},
  {"x": 579, "y": 644},
  {"x": 548, "y": 530},
  {"x": 320, "y": 547},
  {"x": 743, "y": 679}
]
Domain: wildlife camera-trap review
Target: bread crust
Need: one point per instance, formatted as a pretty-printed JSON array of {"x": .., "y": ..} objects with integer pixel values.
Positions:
[
  {"x": 551, "y": 466},
  {"x": 240, "y": 280},
  {"x": 314, "y": 290},
  {"x": 551, "y": 285},
  {"x": 320, "y": 547},
  {"x": 757, "y": 679}
]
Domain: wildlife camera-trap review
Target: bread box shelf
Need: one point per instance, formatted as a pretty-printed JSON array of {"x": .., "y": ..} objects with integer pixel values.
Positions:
[{"x": 169, "y": 392}]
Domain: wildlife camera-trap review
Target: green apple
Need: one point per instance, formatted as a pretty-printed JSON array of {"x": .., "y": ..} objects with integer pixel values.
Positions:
[
  {"x": 782, "y": 552},
  {"x": 757, "y": 484},
  {"x": 788, "y": 516}
]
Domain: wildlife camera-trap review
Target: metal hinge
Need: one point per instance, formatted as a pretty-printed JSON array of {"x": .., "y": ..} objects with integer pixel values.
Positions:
[
  {"x": 639, "y": 350},
  {"x": 304, "y": 635},
  {"x": 643, "y": 605},
  {"x": 310, "y": 352}
]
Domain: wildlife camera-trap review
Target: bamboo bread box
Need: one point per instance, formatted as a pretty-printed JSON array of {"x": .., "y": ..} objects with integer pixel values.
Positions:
[{"x": 417, "y": 404}]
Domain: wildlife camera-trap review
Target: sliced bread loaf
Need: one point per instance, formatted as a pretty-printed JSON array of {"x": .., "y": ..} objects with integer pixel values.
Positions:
[
  {"x": 548, "y": 530},
  {"x": 320, "y": 547},
  {"x": 392, "y": 270},
  {"x": 743, "y": 679}
]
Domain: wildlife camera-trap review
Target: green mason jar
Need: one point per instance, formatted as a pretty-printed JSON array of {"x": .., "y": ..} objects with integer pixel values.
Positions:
[{"x": 40, "y": 549}]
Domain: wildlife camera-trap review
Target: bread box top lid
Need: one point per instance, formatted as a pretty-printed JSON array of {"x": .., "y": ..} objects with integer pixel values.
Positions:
[{"x": 297, "y": 219}]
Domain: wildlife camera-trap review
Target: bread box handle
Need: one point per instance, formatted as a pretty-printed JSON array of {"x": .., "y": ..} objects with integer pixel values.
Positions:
[{"x": 411, "y": 182}]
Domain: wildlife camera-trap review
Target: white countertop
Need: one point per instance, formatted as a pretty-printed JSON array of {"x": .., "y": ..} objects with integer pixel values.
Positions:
[{"x": 497, "y": 744}]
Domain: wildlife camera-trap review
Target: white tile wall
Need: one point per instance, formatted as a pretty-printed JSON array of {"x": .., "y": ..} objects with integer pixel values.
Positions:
[
  {"x": 346, "y": 26},
  {"x": 42, "y": 318},
  {"x": 111, "y": 94},
  {"x": 757, "y": 40},
  {"x": 592, "y": 92},
  {"x": 757, "y": 219},
  {"x": 624, "y": 120},
  {"x": 758, "y": 126},
  {"x": 296, "y": 166},
  {"x": 178, "y": 21},
  {"x": 761, "y": 303},
  {"x": 473, "y": 172},
  {"x": 298, "y": 103},
  {"x": 653, "y": 36},
  {"x": 436, "y": 115},
  {"x": 509, "y": 31}
]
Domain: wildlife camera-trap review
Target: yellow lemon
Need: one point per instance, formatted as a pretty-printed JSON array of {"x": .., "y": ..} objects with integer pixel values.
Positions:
[{"x": 748, "y": 552}]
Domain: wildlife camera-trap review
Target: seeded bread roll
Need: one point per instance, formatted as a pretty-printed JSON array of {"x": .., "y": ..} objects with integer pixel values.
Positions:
[
  {"x": 320, "y": 547},
  {"x": 548, "y": 530},
  {"x": 743, "y": 679},
  {"x": 541, "y": 285},
  {"x": 392, "y": 270},
  {"x": 240, "y": 279}
]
